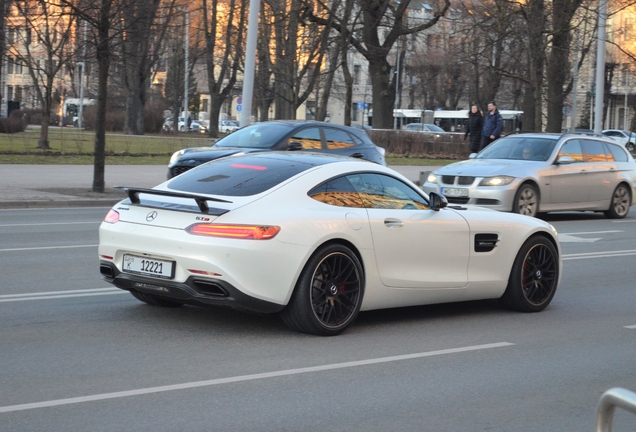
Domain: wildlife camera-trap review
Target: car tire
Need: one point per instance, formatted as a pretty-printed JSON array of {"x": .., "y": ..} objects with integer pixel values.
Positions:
[
  {"x": 181, "y": 128},
  {"x": 630, "y": 146},
  {"x": 534, "y": 276},
  {"x": 154, "y": 300},
  {"x": 526, "y": 200},
  {"x": 620, "y": 203},
  {"x": 328, "y": 294}
]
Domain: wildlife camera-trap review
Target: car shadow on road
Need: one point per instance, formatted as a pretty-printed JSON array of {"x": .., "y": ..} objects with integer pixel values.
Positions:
[{"x": 570, "y": 216}]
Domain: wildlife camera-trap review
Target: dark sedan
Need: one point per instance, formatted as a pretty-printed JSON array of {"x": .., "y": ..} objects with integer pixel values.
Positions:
[{"x": 291, "y": 135}]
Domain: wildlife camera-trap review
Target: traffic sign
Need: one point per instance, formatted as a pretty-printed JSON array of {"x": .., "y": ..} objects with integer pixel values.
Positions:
[{"x": 239, "y": 107}]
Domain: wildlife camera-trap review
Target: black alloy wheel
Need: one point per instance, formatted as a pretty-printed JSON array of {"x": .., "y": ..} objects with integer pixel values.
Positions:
[
  {"x": 328, "y": 294},
  {"x": 534, "y": 276}
]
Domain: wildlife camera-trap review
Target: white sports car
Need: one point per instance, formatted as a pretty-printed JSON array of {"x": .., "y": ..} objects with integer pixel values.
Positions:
[{"x": 318, "y": 238}]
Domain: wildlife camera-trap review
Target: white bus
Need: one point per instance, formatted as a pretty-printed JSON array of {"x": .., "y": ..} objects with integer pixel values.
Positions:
[
  {"x": 449, "y": 120},
  {"x": 70, "y": 109}
]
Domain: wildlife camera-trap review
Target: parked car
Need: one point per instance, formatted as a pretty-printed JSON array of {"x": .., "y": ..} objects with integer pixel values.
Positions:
[
  {"x": 530, "y": 173},
  {"x": 423, "y": 127},
  {"x": 195, "y": 126},
  {"x": 627, "y": 138},
  {"x": 318, "y": 238},
  {"x": 292, "y": 135},
  {"x": 227, "y": 126}
]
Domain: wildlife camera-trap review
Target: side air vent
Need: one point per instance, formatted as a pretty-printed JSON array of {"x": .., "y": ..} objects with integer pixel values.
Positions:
[{"x": 485, "y": 242}]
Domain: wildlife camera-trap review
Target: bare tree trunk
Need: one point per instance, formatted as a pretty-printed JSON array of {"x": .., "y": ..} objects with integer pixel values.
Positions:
[
  {"x": 534, "y": 13},
  {"x": 103, "y": 65},
  {"x": 558, "y": 67}
]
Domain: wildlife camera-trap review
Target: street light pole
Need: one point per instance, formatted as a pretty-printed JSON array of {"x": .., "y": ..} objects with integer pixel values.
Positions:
[
  {"x": 625, "y": 127},
  {"x": 397, "y": 87},
  {"x": 250, "y": 62},
  {"x": 600, "y": 67},
  {"x": 187, "y": 53},
  {"x": 83, "y": 66}
]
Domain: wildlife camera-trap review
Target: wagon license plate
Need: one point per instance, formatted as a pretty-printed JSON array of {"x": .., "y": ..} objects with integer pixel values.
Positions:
[
  {"x": 148, "y": 266},
  {"x": 455, "y": 192}
]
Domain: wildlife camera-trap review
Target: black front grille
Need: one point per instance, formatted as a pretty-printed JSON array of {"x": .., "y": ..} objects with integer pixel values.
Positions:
[
  {"x": 461, "y": 180},
  {"x": 457, "y": 200},
  {"x": 175, "y": 171}
]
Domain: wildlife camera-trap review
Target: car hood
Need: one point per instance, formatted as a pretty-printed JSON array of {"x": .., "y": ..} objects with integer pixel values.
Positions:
[{"x": 487, "y": 167}]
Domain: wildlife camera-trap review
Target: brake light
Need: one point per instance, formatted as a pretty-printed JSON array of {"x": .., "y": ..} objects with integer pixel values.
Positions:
[
  {"x": 252, "y": 167},
  {"x": 112, "y": 216},
  {"x": 249, "y": 232}
]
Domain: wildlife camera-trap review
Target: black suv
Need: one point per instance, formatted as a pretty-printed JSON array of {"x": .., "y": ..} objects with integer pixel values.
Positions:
[{"x": 291, "y": 135}]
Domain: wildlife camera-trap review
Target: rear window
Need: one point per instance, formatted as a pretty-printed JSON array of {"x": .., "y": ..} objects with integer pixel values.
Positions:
[{"x": 244, "y": 175}]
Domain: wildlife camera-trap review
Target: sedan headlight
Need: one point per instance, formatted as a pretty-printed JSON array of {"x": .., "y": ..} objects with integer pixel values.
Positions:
[
  {"x": 176, "y": 156},
  {"x": 496, "y": 181},
  {"x": 432, "y": 178}
]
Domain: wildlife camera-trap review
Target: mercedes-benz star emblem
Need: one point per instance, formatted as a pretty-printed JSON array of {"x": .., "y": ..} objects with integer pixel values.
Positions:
[
  {"x": 151, "y": 216},
  {"x": 333, "y": 289}
]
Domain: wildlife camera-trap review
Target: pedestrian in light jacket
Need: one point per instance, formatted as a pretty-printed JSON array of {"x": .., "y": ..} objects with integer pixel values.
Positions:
[
  {"x": 493, "y": 124},
  {"x": 473, "y": 128}
]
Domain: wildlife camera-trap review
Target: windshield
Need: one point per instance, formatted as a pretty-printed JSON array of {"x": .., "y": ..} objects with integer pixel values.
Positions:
[
  {"x": 520, "y": 148},
  {"x": 261, "y": 136}
]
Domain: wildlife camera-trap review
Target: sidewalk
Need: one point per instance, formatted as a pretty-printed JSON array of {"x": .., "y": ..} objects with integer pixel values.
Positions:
[{"x": 54, "y": 186}]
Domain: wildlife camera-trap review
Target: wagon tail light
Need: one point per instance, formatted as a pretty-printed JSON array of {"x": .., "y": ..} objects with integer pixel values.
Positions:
[{"x": 248, "y": 232}]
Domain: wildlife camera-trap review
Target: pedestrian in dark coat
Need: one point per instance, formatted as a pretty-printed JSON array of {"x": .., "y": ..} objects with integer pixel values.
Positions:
[
  {"x": 493, "y": 125},
  {"x": 473, "y": 128}
]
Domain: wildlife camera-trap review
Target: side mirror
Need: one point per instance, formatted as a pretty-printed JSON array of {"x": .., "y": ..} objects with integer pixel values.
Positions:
[
  {"x": 565, "y": 160},
  {"x": 437, "y": 201},
  {"x": 472, "y": 156},
  {"x": 294, "y": 146}
]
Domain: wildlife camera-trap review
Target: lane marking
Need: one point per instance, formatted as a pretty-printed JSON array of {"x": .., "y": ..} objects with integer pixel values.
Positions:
[
  {"x": 46, "y": 247},
  {"x": 51, "y": 223},
  {"x": 52, "y": 295},
  {"x": 606, "y": 254},
  {"x": 242, "y": 378},
  {"x": 566, "y": 238},
  {"x": 593, "y": 232},
  {"x": 630, "y": 326}
]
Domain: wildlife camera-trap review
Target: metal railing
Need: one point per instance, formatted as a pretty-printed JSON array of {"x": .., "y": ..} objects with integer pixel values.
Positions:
[{"x": 612, "y": 398}]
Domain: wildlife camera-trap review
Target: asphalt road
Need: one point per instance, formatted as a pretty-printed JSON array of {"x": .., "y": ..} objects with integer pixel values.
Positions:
[{"x": 79, "y": 355}]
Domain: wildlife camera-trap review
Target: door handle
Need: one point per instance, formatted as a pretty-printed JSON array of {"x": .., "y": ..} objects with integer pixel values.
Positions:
[
  {"x": 357, "y": 155},
  {"x": 393, "y": 223}
]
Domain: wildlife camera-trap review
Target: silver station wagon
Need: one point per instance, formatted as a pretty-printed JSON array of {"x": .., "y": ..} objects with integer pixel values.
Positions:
[{"x": 530, "y": 173}]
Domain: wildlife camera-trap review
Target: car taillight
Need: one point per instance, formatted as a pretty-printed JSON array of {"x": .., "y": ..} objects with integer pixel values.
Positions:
[
  {"x": 112, "y": 216},
  {"x": 250, "y": 232}
]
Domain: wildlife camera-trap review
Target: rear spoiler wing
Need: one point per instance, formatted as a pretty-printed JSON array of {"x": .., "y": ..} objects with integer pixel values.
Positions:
[{"x": 201, "y": 200}]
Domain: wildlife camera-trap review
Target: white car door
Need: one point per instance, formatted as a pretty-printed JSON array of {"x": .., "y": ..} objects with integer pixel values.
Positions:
[{"x": 415, "y": 247}]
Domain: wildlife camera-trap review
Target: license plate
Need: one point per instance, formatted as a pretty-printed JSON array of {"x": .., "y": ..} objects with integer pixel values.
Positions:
[
  {"x": 455, "y": 192},
  {"x": 148, "y": 266}
]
